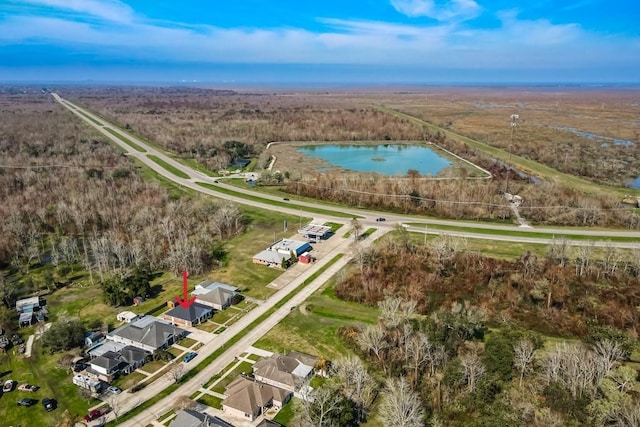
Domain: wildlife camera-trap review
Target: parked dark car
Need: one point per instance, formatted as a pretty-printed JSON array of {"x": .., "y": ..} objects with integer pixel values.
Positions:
[
  {"x": 380, "y": 219},
  {"x": 189, "y": 356},
  {"x": 27, "y": 402},
  {"x": 286, "y": 199},
  {"x": 49, "y": 404}
]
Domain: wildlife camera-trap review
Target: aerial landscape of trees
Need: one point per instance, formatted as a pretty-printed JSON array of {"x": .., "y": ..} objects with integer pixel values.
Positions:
[
  {"x": 215, "y": 127},
  {"x": 73, "y": 200},
  {"x": 460, "y": 337}
]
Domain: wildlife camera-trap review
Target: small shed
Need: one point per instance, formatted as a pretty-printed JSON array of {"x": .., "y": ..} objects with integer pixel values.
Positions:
[
  {"x": 127, "y": 316},
  {"x": 305, "y": 258}
]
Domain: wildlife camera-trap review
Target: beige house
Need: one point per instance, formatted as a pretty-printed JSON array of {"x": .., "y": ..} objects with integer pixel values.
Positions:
[
  {"x": 284, "y": 371},
  {"x": 248, "y": 399},
  {"x": 214, "y": 294}
]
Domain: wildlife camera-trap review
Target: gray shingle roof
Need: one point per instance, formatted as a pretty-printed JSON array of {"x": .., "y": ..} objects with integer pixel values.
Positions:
[
  {"x": 191, "y": 418},
  {"x": 151, "y": 332},
  {"x": 193, "y": 313}
]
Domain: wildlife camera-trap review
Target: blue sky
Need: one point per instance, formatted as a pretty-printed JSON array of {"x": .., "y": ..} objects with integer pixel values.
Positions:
[{"x": 357, "y": 41}]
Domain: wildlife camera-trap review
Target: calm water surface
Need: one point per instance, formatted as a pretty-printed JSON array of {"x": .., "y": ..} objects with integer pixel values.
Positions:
[{"x": 385, "y": 159}]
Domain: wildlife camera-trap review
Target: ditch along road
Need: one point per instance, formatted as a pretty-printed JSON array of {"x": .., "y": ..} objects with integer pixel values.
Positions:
[
  {"x": 366, "y": 217},
  {"x": 126, "y": 402}
]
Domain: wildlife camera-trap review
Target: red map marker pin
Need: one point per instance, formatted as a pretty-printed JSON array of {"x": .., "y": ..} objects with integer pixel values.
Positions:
[{"x": 185, "y": 302}]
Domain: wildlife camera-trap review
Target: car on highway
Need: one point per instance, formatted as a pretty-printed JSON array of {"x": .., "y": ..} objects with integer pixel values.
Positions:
[
  {"x": 286, "y": 199},
  {"x": 380, "y": 219},
  {"x": 8, "y": 386},
  {"x": 113, "y": 389},
  {"x": 26, "y": 402},
  {"x": 49, "y": 404},
  {"x": 189, "y": 356}
]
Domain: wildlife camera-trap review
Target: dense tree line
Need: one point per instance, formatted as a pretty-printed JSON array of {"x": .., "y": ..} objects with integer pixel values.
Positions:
[
  {"x": 69, "y": 198},
  {"x": 448, "y": 368},
  {"x": 201, "y": 123},
  {"x": 567, "y": 291}
]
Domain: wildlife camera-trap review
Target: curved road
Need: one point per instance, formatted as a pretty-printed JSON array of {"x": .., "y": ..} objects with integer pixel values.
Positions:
[
  {"x": 298, "y": 206},
  {"x": 127, "y": 401}
]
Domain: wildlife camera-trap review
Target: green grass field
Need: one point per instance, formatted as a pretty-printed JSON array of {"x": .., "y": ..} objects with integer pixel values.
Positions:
[
  {"x": 313, "y": 327},
  {"x": 55, "y": 383},
  {"x": 212, "y": 401}
]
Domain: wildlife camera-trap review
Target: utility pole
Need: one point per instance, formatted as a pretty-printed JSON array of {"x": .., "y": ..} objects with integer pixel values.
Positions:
[{"x": 514, "y": 118}]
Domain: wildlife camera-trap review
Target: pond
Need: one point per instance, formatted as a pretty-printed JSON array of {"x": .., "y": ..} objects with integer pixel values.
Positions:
[
  {"x": 386, "y": 159},
  {"x": 634, "y": 183}
]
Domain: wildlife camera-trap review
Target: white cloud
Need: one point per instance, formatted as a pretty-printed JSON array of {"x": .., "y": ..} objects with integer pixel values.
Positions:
[
  {"x": 109, "y": 10},
  {"x": 515, "y": 43},
  {"x": 439, "y": 10}
]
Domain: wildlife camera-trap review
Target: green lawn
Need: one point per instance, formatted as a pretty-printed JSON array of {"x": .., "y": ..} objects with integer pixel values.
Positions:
[
  {"x": 207, "y": 326},
  {"x": 254, "y": 357},
  {"x": 313, "y": 328},
  {"x": 187, "y": 342},
  {"x": 222, "y": 316},
  {"x": 151, "y": 367},
  {"x": 212, "y": 401},
  {"x": 177, "y": 172},
  {"x": 245, "y": 367},
  {"x": 286, "y": 414},
  {"x": 54, "y": 382},
  {"x": 176, "y": 352},
  {"x": 127, "y": 381}
]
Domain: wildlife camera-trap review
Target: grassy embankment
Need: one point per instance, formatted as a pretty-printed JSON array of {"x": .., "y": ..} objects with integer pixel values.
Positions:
[
  {"x": 527, "y": 166},
  {"x": 277, "y": 203}
]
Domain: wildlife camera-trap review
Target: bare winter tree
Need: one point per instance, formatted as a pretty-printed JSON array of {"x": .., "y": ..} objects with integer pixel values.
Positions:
[
  {"x": 372, "y": 339},
  {"x": 355, "y": 381},
  {"x": 176, "y": 373},
  {"x": 609, "y": 353},
  {"x": 400, "y": 406},
  {"x": 184, "y": 402},
  {"x": 523, "y": 357},
  {"x": 574, "y": 366},
  {"x": 584, "y": 253},
  {"x": 395, "y": 311},
  {"x": 356, "y": 228},
  {"x": 116, "y": 405},
  {"x": 318, "y": 406},
  {"x": 558, "y": 251},
  {"x": 473, "y": 368}
]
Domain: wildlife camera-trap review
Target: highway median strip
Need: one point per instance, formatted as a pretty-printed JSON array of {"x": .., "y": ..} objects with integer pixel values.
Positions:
[
  {"x": 518, "y": 233},
  {"x": 126, "y": 140},
  {"x": 276, "y": 202},
  {"x": 177, "y": 172}
]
